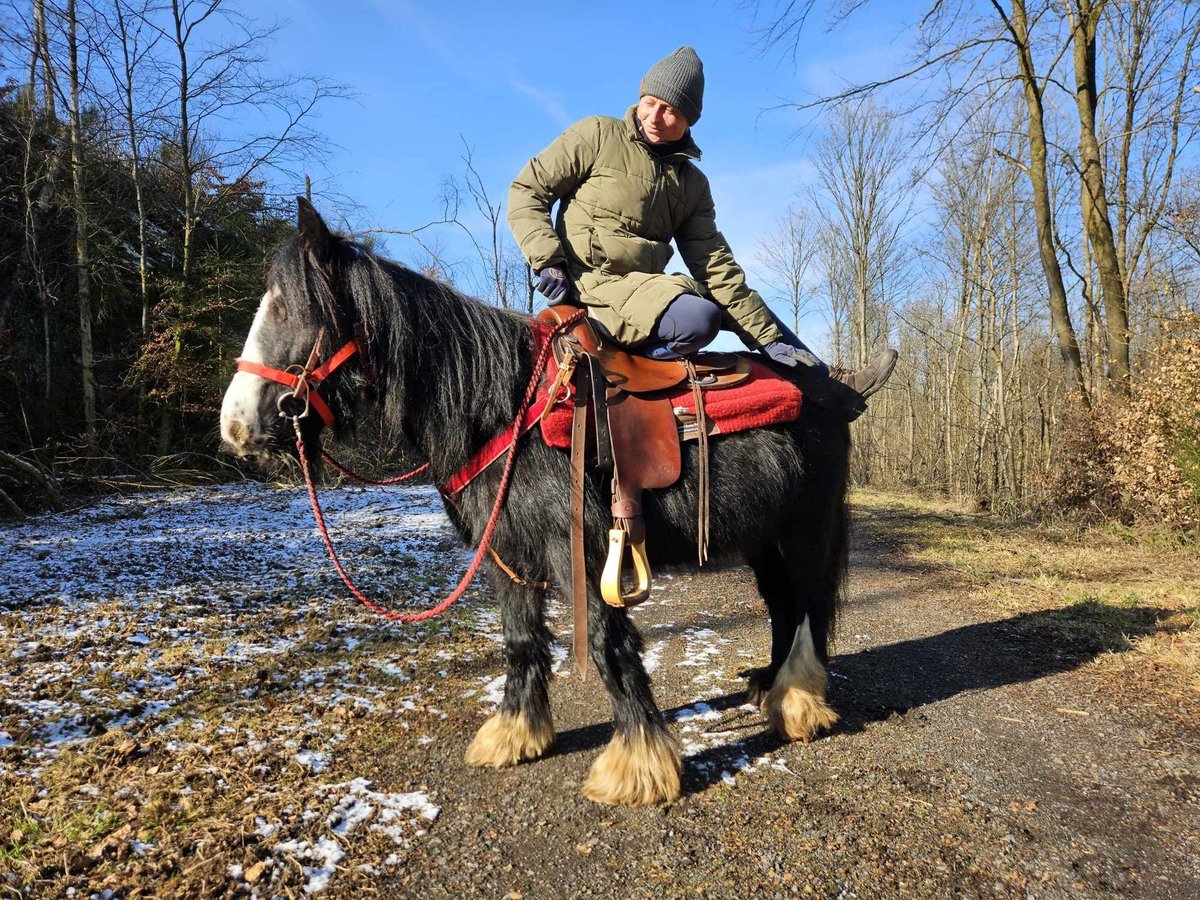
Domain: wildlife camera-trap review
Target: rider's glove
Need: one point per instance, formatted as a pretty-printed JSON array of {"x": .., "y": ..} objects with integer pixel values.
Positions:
[
  {"x": 553, "y": 285},
  {"x": 790, "y": 355}
]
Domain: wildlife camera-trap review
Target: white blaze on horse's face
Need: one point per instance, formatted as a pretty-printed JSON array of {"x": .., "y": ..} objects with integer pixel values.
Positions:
[{"x": 242, "y": 427}]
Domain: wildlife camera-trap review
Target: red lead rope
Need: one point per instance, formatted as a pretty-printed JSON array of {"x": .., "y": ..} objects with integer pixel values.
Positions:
[
  {"x": 362, "y": 479},
  {"x": 539, "y": 367}
]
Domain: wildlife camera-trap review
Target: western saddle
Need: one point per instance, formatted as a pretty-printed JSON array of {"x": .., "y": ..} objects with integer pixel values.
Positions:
[{"x": 623, "y": 401}]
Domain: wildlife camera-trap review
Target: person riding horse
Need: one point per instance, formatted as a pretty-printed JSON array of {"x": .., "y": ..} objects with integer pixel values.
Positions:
[{"x": 625, "y": 189}]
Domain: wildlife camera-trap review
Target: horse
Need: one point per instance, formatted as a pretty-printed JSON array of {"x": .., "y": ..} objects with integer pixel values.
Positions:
[{"x": 448, "y": 373}]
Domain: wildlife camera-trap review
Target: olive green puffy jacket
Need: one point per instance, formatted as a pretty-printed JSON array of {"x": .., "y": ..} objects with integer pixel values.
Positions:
[{"x": 621, "y": 206}]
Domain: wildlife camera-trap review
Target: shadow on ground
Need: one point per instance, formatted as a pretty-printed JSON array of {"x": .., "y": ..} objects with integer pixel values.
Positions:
[{"x": 877, "y": 683}]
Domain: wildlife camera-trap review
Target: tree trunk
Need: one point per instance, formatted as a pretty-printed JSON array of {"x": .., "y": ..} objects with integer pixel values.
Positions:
[
  {"x": 41, "y": 41},
  {"x": 1060, "y": 314},
  {"x": 1096, "y": 219},
  {"x": 82, "y": 263},
  {"x": 135, "y": 159},
  {"x": 185, "y": 141}
]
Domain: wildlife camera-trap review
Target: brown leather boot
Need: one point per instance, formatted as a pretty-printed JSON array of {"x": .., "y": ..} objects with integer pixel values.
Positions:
[
  {"x": 847, "y": 391},
  {"x": 870, "y": 377}
]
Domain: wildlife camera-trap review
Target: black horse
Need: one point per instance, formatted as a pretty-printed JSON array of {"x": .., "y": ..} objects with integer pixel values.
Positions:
[{"x": 450, "y": 373}]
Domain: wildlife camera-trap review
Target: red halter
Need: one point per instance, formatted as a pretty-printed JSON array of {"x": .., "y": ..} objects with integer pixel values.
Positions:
[{"x": 305, "y": 380}]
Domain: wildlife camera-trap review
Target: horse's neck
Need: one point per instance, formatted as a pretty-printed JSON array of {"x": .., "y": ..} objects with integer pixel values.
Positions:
[{"x": 466, "y": 385}]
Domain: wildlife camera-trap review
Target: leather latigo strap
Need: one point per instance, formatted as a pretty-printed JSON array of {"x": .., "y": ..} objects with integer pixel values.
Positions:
[
  {"x": 701, "y": 467},
  {"x": 578, "y": 558}
]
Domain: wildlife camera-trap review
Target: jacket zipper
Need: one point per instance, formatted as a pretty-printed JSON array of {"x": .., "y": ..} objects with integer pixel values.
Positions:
[{"x": 658, "y": 173}]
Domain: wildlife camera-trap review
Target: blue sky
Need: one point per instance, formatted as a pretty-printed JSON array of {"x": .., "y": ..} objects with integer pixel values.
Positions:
[{"x": 508, "y": 77}]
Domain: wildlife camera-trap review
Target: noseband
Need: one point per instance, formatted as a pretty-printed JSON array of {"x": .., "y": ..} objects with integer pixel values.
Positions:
[{"x": 304, "y": 380}]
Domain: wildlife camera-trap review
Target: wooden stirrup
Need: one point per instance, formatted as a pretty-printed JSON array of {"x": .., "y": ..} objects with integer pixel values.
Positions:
[{"x": 611, "y": 579}]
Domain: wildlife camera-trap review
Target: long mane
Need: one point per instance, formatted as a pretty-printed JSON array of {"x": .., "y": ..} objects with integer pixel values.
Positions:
[{"x": 450, "y": 369}]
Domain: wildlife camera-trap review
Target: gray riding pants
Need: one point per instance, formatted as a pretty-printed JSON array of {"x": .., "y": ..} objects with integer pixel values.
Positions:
[{"x": 689, "y": 323}]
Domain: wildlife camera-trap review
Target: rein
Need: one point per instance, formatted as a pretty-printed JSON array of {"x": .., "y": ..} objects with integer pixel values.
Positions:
[{"x": 311, "y": 397}]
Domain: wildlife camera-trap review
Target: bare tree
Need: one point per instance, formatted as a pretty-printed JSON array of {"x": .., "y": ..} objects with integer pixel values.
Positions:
[
  {"x": 1084, "y": 16},
  {"x": 1149, "y": 114},
  {"x": 127, "y": 27},
  {"x": 506, "y": 276},
  {"x": 218, "y": 80},
  {"x": 960, "y": 51},
  {"x": 787, "y": 255},
  {"x": 82, "y": 250},
  {"x": 861, "y": 199},
  {"x": 1033, "y": 87}
]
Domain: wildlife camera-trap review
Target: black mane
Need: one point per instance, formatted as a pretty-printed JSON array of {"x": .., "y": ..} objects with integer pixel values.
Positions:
[{"x": 441, "y": 357}]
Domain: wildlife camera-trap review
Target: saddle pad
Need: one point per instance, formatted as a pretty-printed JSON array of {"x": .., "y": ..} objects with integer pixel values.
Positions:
[{"x": 762, "y": 399}]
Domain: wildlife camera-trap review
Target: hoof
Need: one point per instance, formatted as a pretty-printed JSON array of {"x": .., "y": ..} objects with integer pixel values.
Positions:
[
  {"x": 640, "y": 771},
  {"x": 798, "y": 713},
  {"x": 758, "y": 682},
  {"x": 505, "y": 740}
]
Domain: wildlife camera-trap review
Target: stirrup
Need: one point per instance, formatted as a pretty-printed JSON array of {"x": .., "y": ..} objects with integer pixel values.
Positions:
[{"x": 610, "y": 579}]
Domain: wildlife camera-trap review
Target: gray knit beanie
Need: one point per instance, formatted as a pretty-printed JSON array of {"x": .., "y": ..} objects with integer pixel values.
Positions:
[{"x": 679, "y": 80}]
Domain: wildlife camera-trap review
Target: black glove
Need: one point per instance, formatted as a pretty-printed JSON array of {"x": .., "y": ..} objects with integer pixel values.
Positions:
[{"x": 554, "y": 285}]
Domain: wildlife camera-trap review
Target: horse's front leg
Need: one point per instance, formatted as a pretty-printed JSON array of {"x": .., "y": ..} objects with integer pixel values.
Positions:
[
  {"x": 642, "y": 763},
  {"x": 521, "y": 728}
]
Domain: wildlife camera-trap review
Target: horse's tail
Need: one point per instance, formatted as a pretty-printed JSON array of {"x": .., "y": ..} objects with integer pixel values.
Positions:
[
  {"x": 839, "y": 555},
  {"x": 837, "y": 546}
]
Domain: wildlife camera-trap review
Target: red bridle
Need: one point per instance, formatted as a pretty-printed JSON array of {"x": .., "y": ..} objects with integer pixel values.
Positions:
[{"x": 304, "y": 380}]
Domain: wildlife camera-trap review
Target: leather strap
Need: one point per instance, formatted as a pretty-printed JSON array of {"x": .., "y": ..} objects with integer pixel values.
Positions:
[
  {"x": 599, "y": 392},
  {"x": 702, "y": 521},
  {"x": 578, "y": 559}
]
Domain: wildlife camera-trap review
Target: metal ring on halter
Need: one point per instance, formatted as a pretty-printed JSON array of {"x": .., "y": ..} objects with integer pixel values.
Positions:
[
  {"x": 291, "y": 395},
  {"x": 301, "y": 374}
]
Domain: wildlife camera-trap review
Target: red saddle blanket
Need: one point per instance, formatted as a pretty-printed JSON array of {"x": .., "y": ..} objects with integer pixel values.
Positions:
[{"x": 762, "y": 399}]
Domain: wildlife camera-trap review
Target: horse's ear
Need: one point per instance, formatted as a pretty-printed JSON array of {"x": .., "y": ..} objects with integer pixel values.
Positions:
[{"x": 315, "y": 236}]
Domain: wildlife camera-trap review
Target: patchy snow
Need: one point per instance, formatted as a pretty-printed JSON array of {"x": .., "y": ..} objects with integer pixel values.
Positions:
[
  {"x": 399, "y": 816},
  {"x": 493, "y": 689},
  {"x": 119, "y": 613},
  {"x": 315, "y": 761},
  {"x": 326, "y": 853},
  {"x": 652, "y": 658}
]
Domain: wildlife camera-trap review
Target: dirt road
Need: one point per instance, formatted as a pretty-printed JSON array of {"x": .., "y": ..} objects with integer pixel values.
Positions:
[
  {"x": 190, "y": 707},
  {"x": 974, "y": 757}
]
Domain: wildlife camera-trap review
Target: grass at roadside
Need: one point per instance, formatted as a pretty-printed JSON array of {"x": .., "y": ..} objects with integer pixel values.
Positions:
[{"x": 1131, "y": 595}]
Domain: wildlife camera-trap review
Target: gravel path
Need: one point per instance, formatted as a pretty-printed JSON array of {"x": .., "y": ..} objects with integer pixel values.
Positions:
[
  {"x": 971, "y": 760},
  {"x": 190, "y": 706}
]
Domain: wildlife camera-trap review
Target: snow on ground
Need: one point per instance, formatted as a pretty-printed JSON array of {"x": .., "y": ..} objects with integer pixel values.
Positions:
[
  {"x": 128, "y": 614},
  {"x": 116, "y": 611}
]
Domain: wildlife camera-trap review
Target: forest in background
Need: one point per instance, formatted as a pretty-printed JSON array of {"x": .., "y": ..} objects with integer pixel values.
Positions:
[{"x": 1018, "y": 212}]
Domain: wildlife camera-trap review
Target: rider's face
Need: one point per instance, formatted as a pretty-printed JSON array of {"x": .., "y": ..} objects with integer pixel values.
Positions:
[{"x": 661, "y": 122}]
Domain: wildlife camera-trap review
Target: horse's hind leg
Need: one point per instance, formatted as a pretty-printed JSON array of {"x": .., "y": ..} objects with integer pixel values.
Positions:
[
  {"x": 521, "y": 728},
  {"x": 795, "y": 705},
  {"x": 641, "y": 764},
  {"x": 775, "y": 586},
  {"x": 791, "y": 690}
]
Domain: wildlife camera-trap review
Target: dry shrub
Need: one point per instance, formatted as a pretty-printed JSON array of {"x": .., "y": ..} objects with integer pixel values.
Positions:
[{"x": 1140, "y": 460}]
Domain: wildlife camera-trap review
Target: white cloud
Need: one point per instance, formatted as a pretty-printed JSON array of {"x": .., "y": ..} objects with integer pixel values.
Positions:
[{"x": 549, "y": 103}]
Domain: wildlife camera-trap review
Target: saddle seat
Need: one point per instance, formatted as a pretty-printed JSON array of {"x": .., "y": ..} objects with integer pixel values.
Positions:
[{"x": 634, "y": 374}]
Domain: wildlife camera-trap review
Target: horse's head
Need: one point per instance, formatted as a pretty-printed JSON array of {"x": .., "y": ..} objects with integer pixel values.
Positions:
[{"x": 305, "y": 338}]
